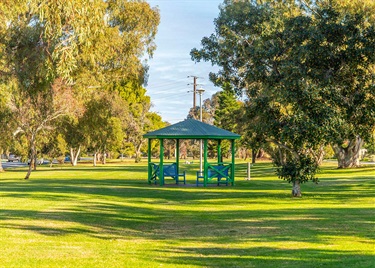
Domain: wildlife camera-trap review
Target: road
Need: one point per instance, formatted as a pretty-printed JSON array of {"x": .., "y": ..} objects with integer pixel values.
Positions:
[{"x": 7, "y": 164}]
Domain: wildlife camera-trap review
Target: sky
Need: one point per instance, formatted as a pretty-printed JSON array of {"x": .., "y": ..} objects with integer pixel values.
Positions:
[{"x": 183, "y": 24}]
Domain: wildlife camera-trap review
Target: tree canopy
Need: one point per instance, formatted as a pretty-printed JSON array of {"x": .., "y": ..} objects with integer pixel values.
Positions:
[
  {"x": 52, "y": 49},
  {"x": 68, "y": 38},
  {"x": 307, "y": 70}
]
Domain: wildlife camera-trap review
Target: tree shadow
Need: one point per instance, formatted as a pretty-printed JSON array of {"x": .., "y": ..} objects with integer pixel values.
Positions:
[
  {"x": 221, "y": 217},
  {"x": 267, "y": 257}
]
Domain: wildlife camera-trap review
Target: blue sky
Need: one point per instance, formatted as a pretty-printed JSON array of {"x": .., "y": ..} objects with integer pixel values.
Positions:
[{"x": 183, "y": 24}]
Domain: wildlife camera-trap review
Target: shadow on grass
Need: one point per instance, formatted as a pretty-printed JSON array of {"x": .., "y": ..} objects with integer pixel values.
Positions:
[
  {"x": 270, "y": 257},
  {"x": 222, "y": 217}
]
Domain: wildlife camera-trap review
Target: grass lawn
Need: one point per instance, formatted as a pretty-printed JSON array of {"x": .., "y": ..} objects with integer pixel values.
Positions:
[{"x": 109, "y": 216}]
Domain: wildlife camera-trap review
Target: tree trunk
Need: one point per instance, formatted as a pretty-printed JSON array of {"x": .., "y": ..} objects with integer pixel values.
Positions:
[
  {"x": 320, "y": 155},
  {"x": 349, "y": 156},
  {"x": 253, "y": 155},
  {"x": 74, "y": 155},
  {"x": 260, "y": 153},
  {"x": 95, "y": 156},
  {"x": 1, "y": 164},
  {"x": 35, "y": 161},
  {"x": 104, "y": 158},
  {"x": 243, "y": 153},
  {"x": 32, "y": 160},
  {"x": 138, "y": 156},
  {"x": 296, "y": 192}
]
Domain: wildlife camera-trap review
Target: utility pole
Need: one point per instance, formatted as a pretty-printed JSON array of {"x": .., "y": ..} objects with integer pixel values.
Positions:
[
  {"x": 194, "y": 89},
  {"x": 200, "y": 92}
]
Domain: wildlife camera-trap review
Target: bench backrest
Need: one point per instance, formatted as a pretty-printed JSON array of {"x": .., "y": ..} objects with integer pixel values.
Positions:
[
  {"x": 218, "y": 171},
  {"x": 170, "y": 170}
]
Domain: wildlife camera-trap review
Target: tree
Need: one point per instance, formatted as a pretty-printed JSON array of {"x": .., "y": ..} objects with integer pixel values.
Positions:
[
  {"x": 73, "y": 134},
  {"x": 353, "y": 75},
  {"x": 228, "y": 114},
  {"x": 55, "y": 147},
  {"x": 227, "y": 110},
  {"x": 101, "y": 123},
  {"x": 291, "y": 60},
  {"x": 37, "y": 113},
  {"x": 6, "y": 133},
  {"x": 140, "y": 119},
  {"x": 50, "y": 42}
]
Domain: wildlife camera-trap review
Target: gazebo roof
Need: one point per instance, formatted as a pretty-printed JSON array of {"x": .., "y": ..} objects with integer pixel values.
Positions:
[{"x": 191, "y": 129}]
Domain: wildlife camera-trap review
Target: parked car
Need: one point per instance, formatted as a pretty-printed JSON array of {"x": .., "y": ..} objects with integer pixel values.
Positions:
[
  {"x": 67, "y": 159},
  {"x": 14, "y": 158},
  {"x": 39, "y": 161}
]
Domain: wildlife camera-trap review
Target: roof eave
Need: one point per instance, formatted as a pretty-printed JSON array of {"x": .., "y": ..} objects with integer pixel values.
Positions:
[{"x": 192, "y": 137}]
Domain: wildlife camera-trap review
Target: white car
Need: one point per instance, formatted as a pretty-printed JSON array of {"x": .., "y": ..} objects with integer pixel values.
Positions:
[{"x": 14, "y": 158}]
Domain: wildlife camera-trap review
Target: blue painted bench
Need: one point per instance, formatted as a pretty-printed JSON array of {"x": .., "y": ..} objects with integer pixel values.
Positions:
[
  {"x": 169, "y": 170},
  {"x": 221, "y": 172}
]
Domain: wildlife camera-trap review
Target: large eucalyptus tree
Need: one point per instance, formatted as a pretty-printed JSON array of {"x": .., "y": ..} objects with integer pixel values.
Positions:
[
  {"x": 55, "y": 50},
  {"x": 307, "y": 70}
]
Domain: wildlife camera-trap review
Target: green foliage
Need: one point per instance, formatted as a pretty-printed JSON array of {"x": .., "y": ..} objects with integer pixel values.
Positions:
[
  {"x": 139, "y": 119},
  {"x": 101, "y": 122},
  {"x": 55, "y": 147},
  {"x": 8, "y": 126},
  {"x": 72, "y": 130},
  {"x": 70, "y": 46},
  {"x": 68, "y": 39},
  {"x": 304, "y": 169},
  {"x": 328, "y": 152},
  {"x": 307, "y": 71},
  {"x": 371, "y": 144},
  {"x": 227, "y": 110}
]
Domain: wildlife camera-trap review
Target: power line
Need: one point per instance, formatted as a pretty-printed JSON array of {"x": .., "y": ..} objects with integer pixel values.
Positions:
[
  {"x": 163, "y": 84},
  {"x": 168, "y": 97},
  {"x": 194, "y": 88}
]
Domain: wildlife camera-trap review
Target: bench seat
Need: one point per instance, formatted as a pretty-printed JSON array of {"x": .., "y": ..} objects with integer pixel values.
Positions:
[{"x": 169, "y": 170}]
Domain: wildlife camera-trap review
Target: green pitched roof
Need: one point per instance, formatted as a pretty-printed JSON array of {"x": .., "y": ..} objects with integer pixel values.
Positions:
[{"x": 191, "y": 129}]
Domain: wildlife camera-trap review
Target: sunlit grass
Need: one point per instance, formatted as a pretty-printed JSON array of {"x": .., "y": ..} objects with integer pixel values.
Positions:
[{"x": 108, "y": 216}]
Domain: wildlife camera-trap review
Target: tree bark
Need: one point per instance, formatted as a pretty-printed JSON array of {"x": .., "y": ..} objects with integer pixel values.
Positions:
[
  {"x": 74, "y": 154},
  {"x": 35, "y": 161},
  {"x": 1, "y": 164},
  {"x": 32, "y": 158},
  {"x": 104, "y": 158},
  {"x": 138, "y": 153},
  {"x": 254, "y": 154},
  {"x": 320, "y": 155},
  {"x": 95, "y": 156},
  {"x": 260, "y": 153},
  {"x": 296, "y": 192},
  {"x": 349, "y": 156}
]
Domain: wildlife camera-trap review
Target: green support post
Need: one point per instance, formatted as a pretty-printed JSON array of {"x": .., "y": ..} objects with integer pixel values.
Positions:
[
  {"x": 233, "y": 160},
  {"x": 219, "y": 152},
  {"x": 205, "y": 165},
  {"x": 149, "y": 161},
  {"x": 177, "y": 157},
  {"x": 161, "y": 168}
]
